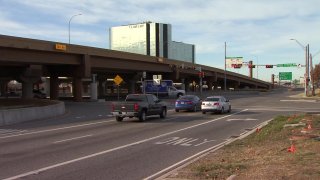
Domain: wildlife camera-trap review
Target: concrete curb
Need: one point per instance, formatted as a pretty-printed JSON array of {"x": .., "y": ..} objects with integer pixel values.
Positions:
[{"x": 14, "y": 116}]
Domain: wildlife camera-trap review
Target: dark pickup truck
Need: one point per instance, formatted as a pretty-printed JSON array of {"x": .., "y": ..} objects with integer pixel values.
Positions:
[{"x": 139, "y": 105}]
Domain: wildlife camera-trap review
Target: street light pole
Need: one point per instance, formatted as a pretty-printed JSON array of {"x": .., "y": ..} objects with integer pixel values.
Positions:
[
  {"x": 306, "y": 76},
  {"x": 225, "y": 66},
  {"x": 70, "y": 22}
]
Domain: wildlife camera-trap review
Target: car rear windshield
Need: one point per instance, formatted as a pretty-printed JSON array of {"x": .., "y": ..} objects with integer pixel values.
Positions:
[
  {"x": 212, "y": 99},
  {"x": 186, "y": 98},
  {"x": 135, "y": 98}
]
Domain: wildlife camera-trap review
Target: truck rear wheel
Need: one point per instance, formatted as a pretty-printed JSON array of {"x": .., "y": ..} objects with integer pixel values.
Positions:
[
  {"x": 119, "y": 119},
  {"x": 142, "y": 116},
  {"x": 163, "y": 113}
]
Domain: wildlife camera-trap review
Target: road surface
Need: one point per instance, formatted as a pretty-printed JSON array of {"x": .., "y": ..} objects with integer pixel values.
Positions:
[{"x": 87, "y": 143}]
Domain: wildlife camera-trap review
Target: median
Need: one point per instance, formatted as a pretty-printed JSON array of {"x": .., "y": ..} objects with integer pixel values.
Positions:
[{"x": 13, "y": 111}]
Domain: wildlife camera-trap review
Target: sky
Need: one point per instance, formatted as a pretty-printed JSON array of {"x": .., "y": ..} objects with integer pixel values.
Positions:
[{"x": 257, "y": 30}]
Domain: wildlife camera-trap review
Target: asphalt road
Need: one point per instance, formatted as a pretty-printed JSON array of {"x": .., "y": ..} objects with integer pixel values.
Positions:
[{"x": 87, "y": 143}]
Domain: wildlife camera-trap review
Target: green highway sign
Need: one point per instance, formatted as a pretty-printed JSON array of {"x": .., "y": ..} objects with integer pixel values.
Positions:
[
  {"x": 287, "y": 65},
  {"x": 285, "y": 75}
]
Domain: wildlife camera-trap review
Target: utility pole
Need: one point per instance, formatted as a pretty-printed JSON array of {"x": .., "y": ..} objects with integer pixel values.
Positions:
[
  {"x": 272, "y": 80},
  {"x": 250, "y": 69},
  {"x": 306, "y": 75},
  {"x": 307, "y": 70},
  {"x": 225, "y": 66},
  {"x": 200, "y": 76}
]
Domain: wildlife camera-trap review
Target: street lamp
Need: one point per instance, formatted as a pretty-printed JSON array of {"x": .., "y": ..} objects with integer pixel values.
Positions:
[
  {"x": 306, "y": 49},
  {"x": 225, "y": 66},
  {"x": 70, "y": 22}
]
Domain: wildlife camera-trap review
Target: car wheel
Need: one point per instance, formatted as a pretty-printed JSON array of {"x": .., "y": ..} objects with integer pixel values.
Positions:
[
  {"x": 119, "y": 119},
  {"x": 222, "y": 110},
  {"x": 142, "y": 116},
  {"x": 163, "y": 113},
  {"x": 203, "y": 112},
  {"x": 195, "y": 108},
  {"x": 177, "y": 110},
  {"x": 229, "y": 109}
]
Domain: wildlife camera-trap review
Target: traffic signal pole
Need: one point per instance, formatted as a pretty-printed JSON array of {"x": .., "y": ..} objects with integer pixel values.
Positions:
[
  {"x": 307, "y": 71},
  {"x": 250, "y": 69}
]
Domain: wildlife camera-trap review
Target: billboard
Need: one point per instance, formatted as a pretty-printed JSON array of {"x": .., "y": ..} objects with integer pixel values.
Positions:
[{"x": 232, "y": 61}]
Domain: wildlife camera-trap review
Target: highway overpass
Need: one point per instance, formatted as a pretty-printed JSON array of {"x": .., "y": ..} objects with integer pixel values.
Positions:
[{"x": 26, "y": 60}]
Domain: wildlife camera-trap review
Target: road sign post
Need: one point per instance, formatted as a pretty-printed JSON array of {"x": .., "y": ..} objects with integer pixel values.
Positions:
[{"x": 117, "y": 80}]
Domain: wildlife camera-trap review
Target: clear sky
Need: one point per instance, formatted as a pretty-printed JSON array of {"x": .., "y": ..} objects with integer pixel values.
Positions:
[{"x": 258, "y": 30}]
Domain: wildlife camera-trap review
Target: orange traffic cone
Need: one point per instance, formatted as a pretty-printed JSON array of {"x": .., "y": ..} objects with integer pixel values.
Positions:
[
  {"x": 292, "y": 149},
  {"x": 258, "y": 130},
  {"x": 309, "y": 127}
]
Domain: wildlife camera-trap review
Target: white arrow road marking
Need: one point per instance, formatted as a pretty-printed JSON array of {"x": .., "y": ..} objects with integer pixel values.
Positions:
[{"x": 247, "y": 119}]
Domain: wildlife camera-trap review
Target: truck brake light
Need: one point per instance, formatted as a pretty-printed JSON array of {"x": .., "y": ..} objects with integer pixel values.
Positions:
[{"x": 136, "y": 107}]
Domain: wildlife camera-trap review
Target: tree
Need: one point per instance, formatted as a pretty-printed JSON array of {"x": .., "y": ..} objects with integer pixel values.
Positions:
[{"x": 316, "y": 75}]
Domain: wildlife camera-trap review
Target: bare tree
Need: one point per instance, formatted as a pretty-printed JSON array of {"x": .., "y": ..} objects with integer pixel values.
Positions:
[{"x": 316, "y": 75}]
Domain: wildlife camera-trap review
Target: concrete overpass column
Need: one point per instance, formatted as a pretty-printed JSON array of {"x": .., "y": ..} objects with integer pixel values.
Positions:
[
  {"x": 94, "y": 88},
  {"x": 132, "y": 86},
  {"x": 77, "y": 88},
  {"x": 210, "y": 83},
  {"x": 101, "y": 86},
  {"x": 3, "y": 85},
  {"x": 177, "y": 74},
  {"x": 54, "y": 87},
  {"x": 27, "y": 88},
  {"x": 237, "y": 85},
  {"x": 30, "y": 76},
  {"x": 186, "y": 84}
]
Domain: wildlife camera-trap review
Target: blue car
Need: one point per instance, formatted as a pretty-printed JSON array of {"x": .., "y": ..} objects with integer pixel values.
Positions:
[{"x": 188, "y": 102}]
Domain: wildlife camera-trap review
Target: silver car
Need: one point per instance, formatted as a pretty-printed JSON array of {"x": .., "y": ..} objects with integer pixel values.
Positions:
[{"x": 215, "y": 104}]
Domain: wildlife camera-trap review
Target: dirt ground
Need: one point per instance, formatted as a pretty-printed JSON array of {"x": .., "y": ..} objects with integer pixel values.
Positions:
[{"x": 274, "y": 152}]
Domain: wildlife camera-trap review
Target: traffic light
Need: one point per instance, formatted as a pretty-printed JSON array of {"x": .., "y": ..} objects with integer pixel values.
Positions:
[
  {"x": 252, "y": 66},
  {"x": 269, "y": 66}
]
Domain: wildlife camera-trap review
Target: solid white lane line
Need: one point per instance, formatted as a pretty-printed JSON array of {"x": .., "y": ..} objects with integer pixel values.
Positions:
[
  {"x": 298, "y": 100},
  {"x": 57, "y": 129},
  {"x": 282, "y": 109},
  {"x": 114, "y": 149},
  {"x": 75, "y": 138}
]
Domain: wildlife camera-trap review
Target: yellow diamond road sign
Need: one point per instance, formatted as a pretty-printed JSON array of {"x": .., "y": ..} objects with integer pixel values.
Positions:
[{"x": 117, "y": 80}]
